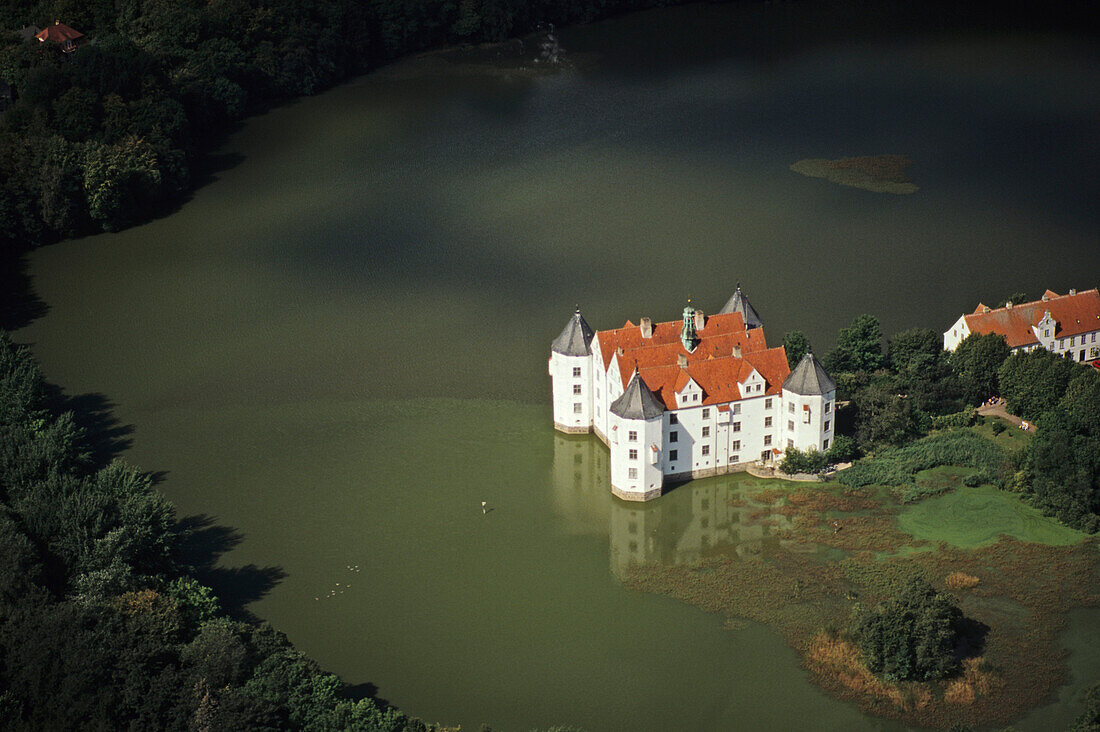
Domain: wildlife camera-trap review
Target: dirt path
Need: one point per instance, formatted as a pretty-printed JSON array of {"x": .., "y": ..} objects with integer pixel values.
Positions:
[{"x": 1000, "y": 409}]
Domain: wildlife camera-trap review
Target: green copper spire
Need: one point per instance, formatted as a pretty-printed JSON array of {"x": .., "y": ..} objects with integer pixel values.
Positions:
[{"x": 687, "y": 334}]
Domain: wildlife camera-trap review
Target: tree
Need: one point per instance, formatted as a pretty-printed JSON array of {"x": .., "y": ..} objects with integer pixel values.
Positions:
[
  {"x": 796, "y": 346},
  {"x": 884, "y": 417},
  {"x": 913, "y": 636},
  {"x": 977, "y": 360},
  {"x": 858, "y": 347},
  {"x": 914, "y": 350},
  {"x": 843, "y": 450},
  {"x": 1033, "y": 383},
  {"x": 798, "y": 461}
]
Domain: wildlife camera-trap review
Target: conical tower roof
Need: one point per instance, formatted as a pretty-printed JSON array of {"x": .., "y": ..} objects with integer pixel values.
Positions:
[
  {"x": 637, "y": 402},
  {"x": 809, "y": 377},
  {"x": 740, "y": 304},
  {"x": 575, "y": 339}
]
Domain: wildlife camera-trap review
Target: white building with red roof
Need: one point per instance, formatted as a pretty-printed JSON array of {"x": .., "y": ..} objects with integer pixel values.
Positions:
[
  {"x": 680, "y": 400},
  {"x": 1065, "y": 324}
]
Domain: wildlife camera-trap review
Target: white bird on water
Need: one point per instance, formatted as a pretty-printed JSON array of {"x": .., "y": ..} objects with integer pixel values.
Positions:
[{"x": 483, "y": 507}]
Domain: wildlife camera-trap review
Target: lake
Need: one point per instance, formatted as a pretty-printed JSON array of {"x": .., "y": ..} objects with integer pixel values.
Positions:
[{"x": 338, "y": 346}]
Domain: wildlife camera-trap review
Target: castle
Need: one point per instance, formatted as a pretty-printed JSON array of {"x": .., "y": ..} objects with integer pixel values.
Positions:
[{"x": 689, "y": 399}]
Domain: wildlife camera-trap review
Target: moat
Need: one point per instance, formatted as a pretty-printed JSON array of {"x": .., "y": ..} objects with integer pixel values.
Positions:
[{"x": 338, "y": 347}]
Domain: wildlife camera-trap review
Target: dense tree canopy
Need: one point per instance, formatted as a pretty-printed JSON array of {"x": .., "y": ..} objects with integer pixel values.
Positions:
[
  {"x": 977, "y": 360},
  {"x": 1033, "y": 383},
  {"x": 101, "y": 627},
  {"x": 858, "y": 347},
  {"x": 913, "y": 636},
  {"x": 796, "y": 346}
]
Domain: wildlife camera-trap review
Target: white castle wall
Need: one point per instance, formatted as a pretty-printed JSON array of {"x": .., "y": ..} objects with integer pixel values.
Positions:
[{"x": 571, "y": 384}]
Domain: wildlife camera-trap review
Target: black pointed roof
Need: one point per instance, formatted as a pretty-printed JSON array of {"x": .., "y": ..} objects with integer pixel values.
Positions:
[
  {"x": 809, "y": 378},
  {"x": 740, "y": 304},
  {"x": 637, "y": 402},
  {"x": 575, "y": 339}
]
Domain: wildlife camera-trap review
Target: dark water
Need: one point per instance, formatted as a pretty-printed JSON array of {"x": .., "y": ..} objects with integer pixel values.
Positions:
[{"x": 338, "y": 346}]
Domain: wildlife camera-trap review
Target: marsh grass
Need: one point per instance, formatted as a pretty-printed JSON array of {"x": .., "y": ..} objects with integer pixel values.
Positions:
[{"x": 1021, "y": 600}]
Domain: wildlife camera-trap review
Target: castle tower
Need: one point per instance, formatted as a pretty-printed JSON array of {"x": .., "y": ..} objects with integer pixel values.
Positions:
[
  {"x": 809, "y": 398},
  {"x": 571, "y": 376},
  {"x": 740, "y": 304},
  {"x": 636, "y": 442},
  {"x": 688, "y": 335}
]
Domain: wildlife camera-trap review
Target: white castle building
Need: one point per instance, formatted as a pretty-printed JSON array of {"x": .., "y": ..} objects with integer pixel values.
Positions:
[
  {"x": 689, "y": 399},
  {"x": 1068, "y": 325}
]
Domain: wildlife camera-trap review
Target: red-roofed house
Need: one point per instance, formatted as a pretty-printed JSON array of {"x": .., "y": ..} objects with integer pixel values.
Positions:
[
  {"x": 1065, "y": 324},
  {"x": 68, "y": 38},
  {"x": 687, "y": 399}
]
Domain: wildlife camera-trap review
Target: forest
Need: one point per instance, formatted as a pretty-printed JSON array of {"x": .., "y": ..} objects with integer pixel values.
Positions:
[{"x": 112, "y": 133}]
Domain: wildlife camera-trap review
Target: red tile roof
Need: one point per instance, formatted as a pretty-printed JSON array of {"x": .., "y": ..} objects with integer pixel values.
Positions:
[
  {"x": 711, "y": 365},
  {"x": 59, "y": 33},
  {"x": 1074, "y": 314}
]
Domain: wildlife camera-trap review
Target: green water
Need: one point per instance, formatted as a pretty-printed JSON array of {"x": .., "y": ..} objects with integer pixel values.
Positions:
[
  {"x": 973, "y": 517},
  {"x": 338, "y": 346}
]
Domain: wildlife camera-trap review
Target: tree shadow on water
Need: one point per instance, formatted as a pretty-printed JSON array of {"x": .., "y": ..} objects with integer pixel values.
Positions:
[
  {"x": 201, "y": 544},
  {"x": 105, "y": 437},
  {"x": 19, "y": 305}
]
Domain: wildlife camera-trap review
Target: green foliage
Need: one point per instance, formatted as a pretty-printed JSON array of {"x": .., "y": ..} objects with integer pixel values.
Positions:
[
  {"x": 796, "y": 346},
  {"x": 884, "y": 415},
  {"x": 858, "y": 347},
  {"x": 798, "y": 461},
  {"x": 1033, "y": 383},
  {"x": 1015, "y": 298},
  {"x": 965, "y": 418},
  {"x": 1089, "y": 720},
  {"x": 912, "y": 637},
  {"x": 977, "y": 360},
  {"x": 898, "y": 466},
  {"x": 1062, "y": 472},
  {"x": 843, "y": 450},
  {"x": 914, "y": 350},
  {"x": 99, "y": 628}
]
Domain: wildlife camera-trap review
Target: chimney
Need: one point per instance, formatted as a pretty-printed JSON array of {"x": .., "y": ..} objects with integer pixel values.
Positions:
[
  {"x": 737, "y": 350},
  {"x": 1072, "y": 291},
  {"x": 700, "y": 320},
  {"x": 682, "y": 360},
  {"x": 1046, "y": 297},
  {"x": 985, "y": 309},
  {"x": 619, "y": 351},
  {"x": 647, "y": 328},
  {"x": 1008, "y": 304}
]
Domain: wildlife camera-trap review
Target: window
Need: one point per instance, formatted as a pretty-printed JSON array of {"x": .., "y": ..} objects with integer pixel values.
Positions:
[
  {"x": 790, "y": 444},
  {"x": 633, "y": 455},
  {"x": 767, "y": 439},
  {"x": 825, "y": 445},
  {"x": 737, "y": 409},
  {"x": 827, "y": 423},
  {"x": 790, "y": 425},
  {"x": 706, "y": 414},
  {"x": 768, "y": 403},
  {"x": 706, "y": 432},
  {"x": 684, "y": 399},
  {"x": 673, "y": 436},
  {"x": 576, "y": 388},
  {"x": 828, "y": 407},
  {"x": 672, "y": 455},
  {"x": 736, "y": 426},
  {"x": 734, "y": 458},
  {"x": 632, "y": 473},
  {"x": 673, "y": 419},
  {"x": 576, "y": 372},
  {"x": 790, "y": 407},
  {"x": 736, "y": 445},
  {"x": 576, "y": 407},
  {"x": 632, "y": 436},
  {"x": 767, "y": 421},
  {"x": 706, "y": 449},
  {"x": 1046, "y": 333},
  {"x": 694, "y": 397}
]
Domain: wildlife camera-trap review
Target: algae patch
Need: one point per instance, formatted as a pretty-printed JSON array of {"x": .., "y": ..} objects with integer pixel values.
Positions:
[
  {"x": 877, "y": 173},
  {"x": 972, "y": 517}
]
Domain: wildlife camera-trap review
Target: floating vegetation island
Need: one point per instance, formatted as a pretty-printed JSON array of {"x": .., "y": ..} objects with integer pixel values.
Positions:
[{"x": 877, "y": 173}]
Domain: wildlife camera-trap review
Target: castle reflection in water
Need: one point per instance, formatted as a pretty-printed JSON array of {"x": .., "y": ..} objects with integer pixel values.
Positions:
[{"x": 703, "y": 518}]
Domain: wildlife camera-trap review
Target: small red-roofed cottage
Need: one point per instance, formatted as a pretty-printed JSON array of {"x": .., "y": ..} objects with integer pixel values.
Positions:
[
  {"x": 1065, "y": 324},
  {"x": 69, "y": 39},
  {"x": 680, "y": 400}
]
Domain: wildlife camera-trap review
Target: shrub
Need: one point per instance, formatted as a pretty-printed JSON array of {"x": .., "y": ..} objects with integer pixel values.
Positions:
[
  {"x": 899, "y": 465},
  {"x": 796, "y": 461},
  {"x": 912, "y": 637}
]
